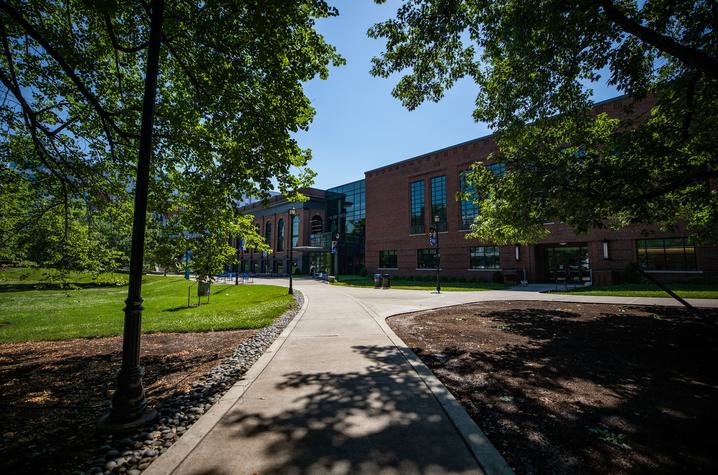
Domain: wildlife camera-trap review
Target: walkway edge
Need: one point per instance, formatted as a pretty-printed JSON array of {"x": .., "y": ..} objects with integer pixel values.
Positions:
[
  {"x": 490, "y": 460},
  {"x": 180, "y": 450}
]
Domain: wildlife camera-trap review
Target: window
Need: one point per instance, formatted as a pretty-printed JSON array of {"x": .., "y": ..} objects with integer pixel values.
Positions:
[
  {"x": 666, "y": 254},
  {"x": 387, "y": 259},
  {"x": 295, "y": 231},
  {"x": 498, "y": 168},
  {"x": 268, "y": 234},
  {"x": 317, "y": 224},
  {"x": 469, "y": 209},
  {"x": 280, "y": 235},
  {"x": 484, "y": 257},
  {"x": 416, "y": 190},
  {"x": 426, "y": 258},
  {"x": 438, "y": 202}
]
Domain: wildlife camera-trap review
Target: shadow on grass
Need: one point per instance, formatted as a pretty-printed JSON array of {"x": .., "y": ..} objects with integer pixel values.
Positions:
[
  {"x": 563, "y": 391},
  {"x": 382, "y": 419}
]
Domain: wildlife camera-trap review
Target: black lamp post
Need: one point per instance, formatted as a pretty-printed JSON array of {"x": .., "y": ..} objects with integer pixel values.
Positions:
[
  {"x": 292, "y": 212},
  {"x": 438, "y": 255},
  {"x": 129, "y": 405}
]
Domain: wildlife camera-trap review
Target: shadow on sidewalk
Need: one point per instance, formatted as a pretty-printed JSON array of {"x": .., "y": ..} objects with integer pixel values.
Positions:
[{"x": 384, "y": 418}]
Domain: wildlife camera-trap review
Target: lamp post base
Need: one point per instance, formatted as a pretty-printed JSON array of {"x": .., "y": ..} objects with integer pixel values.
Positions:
[{"x": 106, "y": 424}]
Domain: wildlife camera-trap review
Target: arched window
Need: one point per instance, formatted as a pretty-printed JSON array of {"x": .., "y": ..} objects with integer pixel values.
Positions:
[
  {"x": 268, "y": 233},
  {"x": 295, "y": 231},
  {"x": 317, "y": 224},
  {"x": 280, "y": 235}
]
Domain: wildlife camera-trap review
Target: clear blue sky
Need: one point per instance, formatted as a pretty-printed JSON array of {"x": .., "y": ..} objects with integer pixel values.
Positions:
[{"x": 359, "y": 125}]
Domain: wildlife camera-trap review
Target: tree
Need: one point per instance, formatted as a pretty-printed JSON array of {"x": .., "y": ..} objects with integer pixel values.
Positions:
[
  {"x": 535, "y": 63},
  {"x": 195, "y": 90}
]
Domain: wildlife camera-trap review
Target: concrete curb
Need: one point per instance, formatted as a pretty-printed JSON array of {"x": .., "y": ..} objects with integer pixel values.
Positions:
[
  {"x": 180, "y": 450},
  {"x": 488, "y": 458}
]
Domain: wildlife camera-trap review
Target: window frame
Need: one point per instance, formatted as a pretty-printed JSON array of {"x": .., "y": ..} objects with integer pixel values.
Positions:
[
  {"x": 690, "y": 261},
  {"x": 417, "y": 207},
  {"x": 388, "y": 253},
  {"x": 496, "y": 254}
]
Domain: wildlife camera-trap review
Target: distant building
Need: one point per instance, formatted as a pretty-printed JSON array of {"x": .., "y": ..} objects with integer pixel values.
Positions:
[{"x": 384, "y": 220}]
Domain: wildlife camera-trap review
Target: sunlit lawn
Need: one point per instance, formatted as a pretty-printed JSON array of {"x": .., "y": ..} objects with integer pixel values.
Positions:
[
  {"x": 27, "y": 313},
  {"x": 695, "y": 291},
  {"x": 402, "y": 283}
]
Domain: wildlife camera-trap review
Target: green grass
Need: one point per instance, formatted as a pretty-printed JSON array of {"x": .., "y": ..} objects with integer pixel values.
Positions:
[
  {"x": 399, "y": 283},
  {"x": 54, "y": 314},
  {"x": 693, "y": 291}
]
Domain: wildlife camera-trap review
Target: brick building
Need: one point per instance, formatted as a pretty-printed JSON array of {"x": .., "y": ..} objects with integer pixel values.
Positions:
[{"x": 384, "y": 220}]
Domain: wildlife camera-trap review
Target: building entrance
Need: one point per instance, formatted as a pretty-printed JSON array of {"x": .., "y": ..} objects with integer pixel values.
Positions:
[{"x": 569, "y": 264}]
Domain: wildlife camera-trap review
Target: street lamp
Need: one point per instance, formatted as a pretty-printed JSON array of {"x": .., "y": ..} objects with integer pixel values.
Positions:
[
  {"x": 438, "y": 256},
  {"x": 292, "y": 212}
]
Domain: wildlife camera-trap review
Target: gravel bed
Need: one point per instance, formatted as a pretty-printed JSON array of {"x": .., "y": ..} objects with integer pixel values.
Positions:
[{"x": 133, "y": 453}]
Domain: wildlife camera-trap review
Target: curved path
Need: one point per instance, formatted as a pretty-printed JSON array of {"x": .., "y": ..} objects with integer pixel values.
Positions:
[{"x": 340, "y": 393}]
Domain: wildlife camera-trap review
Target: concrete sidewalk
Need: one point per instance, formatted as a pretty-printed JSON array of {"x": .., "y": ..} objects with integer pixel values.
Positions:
[
  {"x": 335, "y": 396},
  {"x": 340, "y": 393}
]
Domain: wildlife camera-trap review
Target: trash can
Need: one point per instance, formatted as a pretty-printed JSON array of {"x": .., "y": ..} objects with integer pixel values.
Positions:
[
  {"x": 377, "y": 281},
  {"x": 203, "y": 289},
  {"x": 386, "y": 281}
]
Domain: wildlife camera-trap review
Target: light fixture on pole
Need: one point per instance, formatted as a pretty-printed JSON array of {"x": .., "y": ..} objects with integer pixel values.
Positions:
[
  {"x": 292, "y": 212},
  {"x": 438, "y": 255},
  {"x": 605, "y": 249}
]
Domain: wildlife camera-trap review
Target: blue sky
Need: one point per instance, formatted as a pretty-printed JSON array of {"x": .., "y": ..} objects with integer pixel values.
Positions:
[{"x": 359, "y": 125}]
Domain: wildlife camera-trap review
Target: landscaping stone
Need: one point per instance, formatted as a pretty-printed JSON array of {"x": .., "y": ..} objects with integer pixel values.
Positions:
[{"x": 180, "y": 412}]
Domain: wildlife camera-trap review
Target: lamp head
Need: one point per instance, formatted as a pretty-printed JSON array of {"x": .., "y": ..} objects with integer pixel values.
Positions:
[{"x": 292, "y": 211}]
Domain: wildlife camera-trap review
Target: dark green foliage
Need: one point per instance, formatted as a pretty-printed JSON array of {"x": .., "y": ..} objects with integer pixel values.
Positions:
[{"x": 534, "y": 63}]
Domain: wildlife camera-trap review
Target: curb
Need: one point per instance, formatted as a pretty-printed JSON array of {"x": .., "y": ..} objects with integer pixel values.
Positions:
[
  {"x": 180, "y": 450},
  {"x": 486, "y": 455}
]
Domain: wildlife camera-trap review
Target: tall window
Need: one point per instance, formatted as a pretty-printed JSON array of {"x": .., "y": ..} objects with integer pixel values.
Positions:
[
  {"x": 426, "y": 258},
  {"x": 666, "y": 254},
  {"x": 469, "y": 209},
  {"x": 484, "y": 257},
  {"x": 317, "y": 224},
  {"x": 280, "y": 235},
  {"x": 295, "y": 231},
  {"x": 438, "y": 202},
  {"x": 387, "y": 259},
  {"x": 268, "y": 234},
  {"x": 416, "y": 190}
]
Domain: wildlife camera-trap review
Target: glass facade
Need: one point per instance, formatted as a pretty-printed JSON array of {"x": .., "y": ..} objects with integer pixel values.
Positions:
[
  {"x": 484, "y": 257},
  {"x": 416, "y": 201},
  {"x": 469, "y": 209},
  {"x": 666, "y": 254},
  {"x": 295, "y": 230},
  {"x": 346, "y": 215},
  {"x": 426, "y": 258},
  {"x": 280, "y": 235},
  {"x": 438, "y": 202},
  {"x": 387, "y": 259},
  {"x": 268, "y": 234}
]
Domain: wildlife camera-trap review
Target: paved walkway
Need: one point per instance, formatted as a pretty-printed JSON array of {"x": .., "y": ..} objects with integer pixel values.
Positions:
[{"x": 339, "y": 393}]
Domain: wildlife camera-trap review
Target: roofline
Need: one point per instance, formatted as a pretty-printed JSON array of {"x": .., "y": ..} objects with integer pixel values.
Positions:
[{"x": 483, "y": 137}]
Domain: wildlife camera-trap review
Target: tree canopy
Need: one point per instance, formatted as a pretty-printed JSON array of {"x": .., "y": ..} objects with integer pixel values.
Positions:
[
  {"x": 229, "y": 98},
  {"x": 535, "y": 63}
]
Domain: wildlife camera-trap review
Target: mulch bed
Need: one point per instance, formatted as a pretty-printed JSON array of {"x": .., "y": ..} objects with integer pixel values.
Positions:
[
  {"x": 566, "y": 388},
  {"x": 52, "y": 392}
]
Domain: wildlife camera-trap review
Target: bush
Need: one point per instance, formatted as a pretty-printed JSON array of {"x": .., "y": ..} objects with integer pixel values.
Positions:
[
  {"x": 631, "y": 276},
  {"x": 362, "y": 271}
]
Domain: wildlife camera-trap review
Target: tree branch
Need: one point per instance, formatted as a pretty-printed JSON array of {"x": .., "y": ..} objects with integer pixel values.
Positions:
[
  {"x": 105, "y": 117},
  {"x": 691, "y": 57}
]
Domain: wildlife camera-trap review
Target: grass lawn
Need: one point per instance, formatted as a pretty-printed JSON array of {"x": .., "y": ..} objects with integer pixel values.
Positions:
[
  {"x": 28, "y": 313},
  {"x": 694, "y": 291},
  {"x": 399, "y": 283}
]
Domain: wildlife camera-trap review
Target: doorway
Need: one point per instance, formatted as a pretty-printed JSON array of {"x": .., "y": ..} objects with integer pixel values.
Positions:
[{"x": 568, "y": 264}]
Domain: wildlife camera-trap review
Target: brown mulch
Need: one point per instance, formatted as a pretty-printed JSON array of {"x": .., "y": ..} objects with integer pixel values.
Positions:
[
  {"x": 53, "y": 392},
  {"x": 564, "y": 388}
]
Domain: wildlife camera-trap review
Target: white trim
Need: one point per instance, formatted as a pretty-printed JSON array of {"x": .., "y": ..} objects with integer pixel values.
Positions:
[
  {"x": 418, "y": 234},
  {"x": 427, "y": 268},
  {"x": 387, "y": 268},
  {"x": 498, "y": 269},
  {"x": 673, "y": 271}
]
